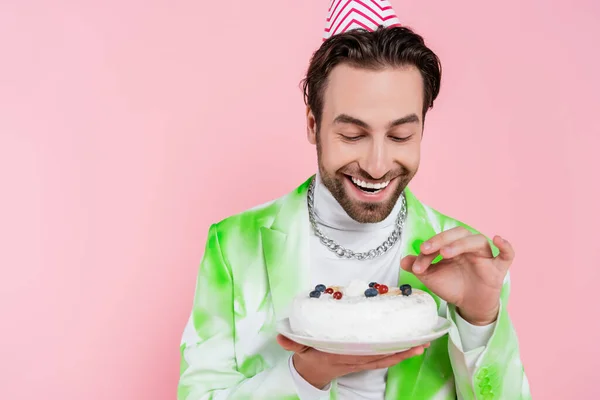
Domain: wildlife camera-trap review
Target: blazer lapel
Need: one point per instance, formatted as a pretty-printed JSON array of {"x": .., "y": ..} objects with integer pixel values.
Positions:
[{"x": 285, "y": 246}]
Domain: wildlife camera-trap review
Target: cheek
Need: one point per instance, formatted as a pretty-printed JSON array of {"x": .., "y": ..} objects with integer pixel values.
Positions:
[
  {"x": 335, "y": 155},
  {"x": 409, "y": 155}
]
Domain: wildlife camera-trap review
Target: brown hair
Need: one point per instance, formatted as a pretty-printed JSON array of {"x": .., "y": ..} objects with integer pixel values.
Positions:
[{"x": 396, "y": 47}]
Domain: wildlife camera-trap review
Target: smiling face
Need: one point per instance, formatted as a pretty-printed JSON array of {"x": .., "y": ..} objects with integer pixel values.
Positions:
[{"x": 369, "y": 138}]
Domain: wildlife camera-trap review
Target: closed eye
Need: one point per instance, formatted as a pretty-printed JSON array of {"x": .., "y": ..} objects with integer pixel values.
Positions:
[
  {"x": 351, "y": 138},
  {"x": 400, "y": 139}
]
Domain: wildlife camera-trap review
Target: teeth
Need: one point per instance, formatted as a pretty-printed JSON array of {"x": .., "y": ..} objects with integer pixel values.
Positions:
[{"x": 370, "y": 185}]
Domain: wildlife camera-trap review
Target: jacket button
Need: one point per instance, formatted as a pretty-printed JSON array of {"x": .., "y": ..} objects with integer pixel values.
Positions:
[
  {"x": 482, "y": 374},
  {"x": 484, "y": 382},
  {"x": 487, "y": 389}
]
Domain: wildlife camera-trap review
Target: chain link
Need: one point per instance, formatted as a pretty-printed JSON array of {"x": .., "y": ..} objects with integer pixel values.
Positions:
[{"x": 341, "y": 251}]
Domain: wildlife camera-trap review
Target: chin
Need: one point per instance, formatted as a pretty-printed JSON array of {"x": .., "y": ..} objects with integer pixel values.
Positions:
[
  {"x": 366, "y": 202},
  {"x": 367, "y": 211}
]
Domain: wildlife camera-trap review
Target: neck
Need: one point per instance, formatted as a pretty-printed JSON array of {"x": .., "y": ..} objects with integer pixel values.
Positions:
[{"x": 330, "y": 213}]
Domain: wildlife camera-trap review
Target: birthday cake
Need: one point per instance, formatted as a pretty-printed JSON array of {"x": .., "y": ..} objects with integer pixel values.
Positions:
[{"x": 363, "y": 312}]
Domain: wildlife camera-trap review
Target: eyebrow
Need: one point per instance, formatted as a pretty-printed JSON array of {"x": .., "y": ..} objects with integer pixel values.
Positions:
[{"x": 347, "y": 119}]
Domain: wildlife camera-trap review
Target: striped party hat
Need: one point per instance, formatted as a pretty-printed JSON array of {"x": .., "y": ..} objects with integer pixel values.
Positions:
[{"x": 345, "y": 15}]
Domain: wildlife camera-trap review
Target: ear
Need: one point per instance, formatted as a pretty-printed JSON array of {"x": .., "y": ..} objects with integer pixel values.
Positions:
[{"x": 311, "y": 126}]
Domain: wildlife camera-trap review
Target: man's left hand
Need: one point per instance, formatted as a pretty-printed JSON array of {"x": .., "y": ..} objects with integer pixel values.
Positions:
[{"x": 468, "y": 276}]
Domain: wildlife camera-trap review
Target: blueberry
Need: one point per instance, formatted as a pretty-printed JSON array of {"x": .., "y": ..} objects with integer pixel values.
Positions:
[
  {"x": 372, "y": 284},
  {"x": 371, "y": 292},
  {"x": 315, "y": 293},
  {"x": 406, "y": 290},
  {"x": 320, "y": 288}
]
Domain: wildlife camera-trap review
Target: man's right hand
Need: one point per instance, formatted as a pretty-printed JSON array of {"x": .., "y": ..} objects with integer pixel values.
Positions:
[{"x": 319, "y": 368}]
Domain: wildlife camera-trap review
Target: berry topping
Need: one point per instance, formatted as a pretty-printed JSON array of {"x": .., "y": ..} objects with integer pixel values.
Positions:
[
  {"x": 382, "y": 289},
  {"x": 376, "y": 286},
  {"x": 371, "y": 292},
  {"x": 315, "y": 293},
  {"x": 337, "y": 295},
  {"x": 329, "y": 290},
  {"x": 320, "y": 288},
  {"x": 372, "y": 284},
  {"x": 406, "y": 290}
]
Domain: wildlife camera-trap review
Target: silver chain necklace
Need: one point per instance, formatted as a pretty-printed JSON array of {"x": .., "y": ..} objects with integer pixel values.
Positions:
[{"x": 341, "y": 251}]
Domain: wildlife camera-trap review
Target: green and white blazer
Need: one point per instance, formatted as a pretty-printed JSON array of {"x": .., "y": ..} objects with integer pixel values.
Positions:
[{"x": 255, "y": 262}]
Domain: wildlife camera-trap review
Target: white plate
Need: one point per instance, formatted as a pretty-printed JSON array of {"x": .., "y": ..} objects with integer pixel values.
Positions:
[{"x": 364, "y": 348}]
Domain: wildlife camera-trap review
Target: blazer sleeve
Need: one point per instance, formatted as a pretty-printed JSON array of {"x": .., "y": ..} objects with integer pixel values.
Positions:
[
  {"x": 498, "y": 372},
  {"x": 208, "y": 367}
]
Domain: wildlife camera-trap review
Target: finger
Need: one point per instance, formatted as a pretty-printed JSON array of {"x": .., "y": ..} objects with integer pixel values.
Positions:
[
  {"x": 407, "y": 262},
  {"x": 341, "y": 359},
  {"x": 423, "y": 262},
  {"x": 394, "y": 359},
  {"x": 290, "y": 345},
  {"x": 444, "y": 238},
  {"x": 506, "y": 255},
  {"x": 362, "y": 360},
  {"x": 477, "y": 244}
]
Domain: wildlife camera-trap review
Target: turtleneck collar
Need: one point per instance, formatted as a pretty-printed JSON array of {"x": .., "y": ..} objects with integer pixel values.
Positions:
[{"x": 331, "y": 214}]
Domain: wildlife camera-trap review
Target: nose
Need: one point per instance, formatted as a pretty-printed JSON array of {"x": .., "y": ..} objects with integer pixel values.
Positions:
[{"x": 376, "y": 161}]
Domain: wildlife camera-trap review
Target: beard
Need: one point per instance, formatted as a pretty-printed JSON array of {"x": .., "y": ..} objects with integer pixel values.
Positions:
[{"x": 360, "y": 211}]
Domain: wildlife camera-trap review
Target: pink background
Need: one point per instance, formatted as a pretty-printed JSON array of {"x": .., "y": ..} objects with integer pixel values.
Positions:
[{"x": 127, "y": 127}]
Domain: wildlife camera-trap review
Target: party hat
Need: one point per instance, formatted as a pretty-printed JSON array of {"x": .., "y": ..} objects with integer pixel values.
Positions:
[{"x": 345, "y": 15}]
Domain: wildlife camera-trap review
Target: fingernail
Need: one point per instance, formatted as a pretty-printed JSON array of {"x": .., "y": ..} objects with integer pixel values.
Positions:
[
  {"x": 448, "y": 251},
  {"x": 426, "y": 246},
  {"x": 417, "y": 268}
]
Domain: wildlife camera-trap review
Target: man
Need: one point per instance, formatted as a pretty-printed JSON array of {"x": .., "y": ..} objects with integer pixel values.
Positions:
[{"x": 367, "y": 93}]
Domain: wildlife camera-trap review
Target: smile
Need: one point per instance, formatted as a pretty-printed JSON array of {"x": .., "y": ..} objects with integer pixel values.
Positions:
[{"x": 369, "y": 187}]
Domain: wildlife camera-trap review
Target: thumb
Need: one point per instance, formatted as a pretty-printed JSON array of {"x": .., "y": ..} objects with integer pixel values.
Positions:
[
  {"x": 290, "y": 345},
  {"x": 506, "y": 255}
]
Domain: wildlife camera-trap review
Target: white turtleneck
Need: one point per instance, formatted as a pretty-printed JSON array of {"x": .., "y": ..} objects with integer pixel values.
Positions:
[{"x": 325, "y": 266}]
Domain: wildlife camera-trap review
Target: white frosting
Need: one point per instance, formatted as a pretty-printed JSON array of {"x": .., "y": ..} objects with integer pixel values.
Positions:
[
  {"x": 356, "y": 317},
  {"x": 356, "y": 288}
]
